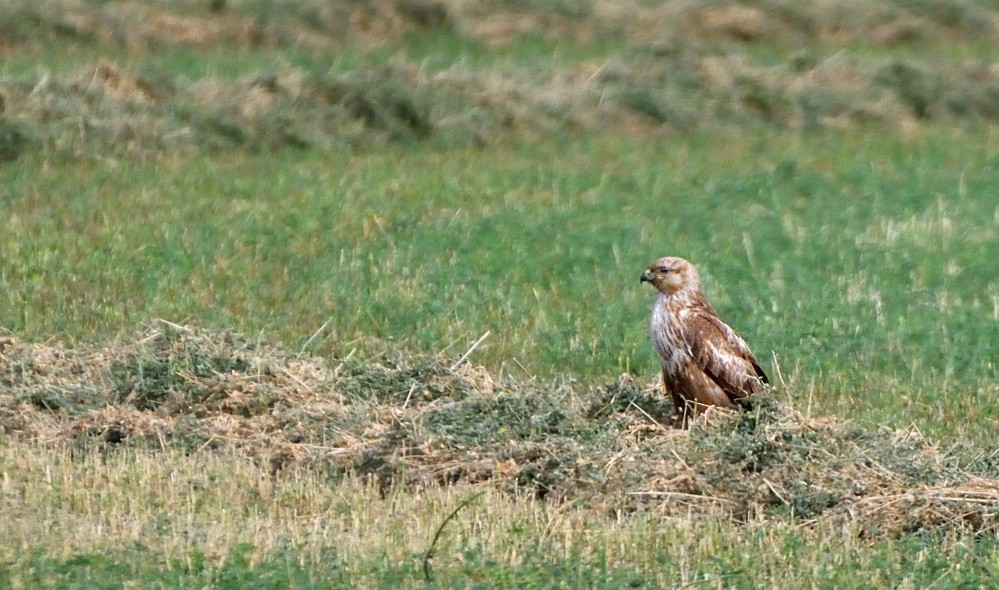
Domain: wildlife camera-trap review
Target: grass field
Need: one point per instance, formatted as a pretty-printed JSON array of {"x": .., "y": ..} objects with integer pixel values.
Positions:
[{"x": 373, "y": 184}]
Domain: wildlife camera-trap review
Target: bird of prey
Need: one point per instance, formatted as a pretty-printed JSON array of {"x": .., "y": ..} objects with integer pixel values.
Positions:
[{"x": 704, "y": 362}]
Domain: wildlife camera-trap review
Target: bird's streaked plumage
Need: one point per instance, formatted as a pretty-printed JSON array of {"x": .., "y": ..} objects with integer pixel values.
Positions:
[{"x": 704, "y": 362}]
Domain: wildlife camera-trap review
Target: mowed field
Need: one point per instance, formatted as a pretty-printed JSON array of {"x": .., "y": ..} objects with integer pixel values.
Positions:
[{"x": 284, "y": 285}]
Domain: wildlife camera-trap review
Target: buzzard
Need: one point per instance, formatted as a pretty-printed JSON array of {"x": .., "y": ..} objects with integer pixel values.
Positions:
[{"x": 705, "y": 363}]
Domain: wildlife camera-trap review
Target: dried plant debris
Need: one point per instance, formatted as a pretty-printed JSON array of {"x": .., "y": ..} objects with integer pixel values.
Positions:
[
  {"x": 415, "y": 421},
  {"x": 665, "y": 68},
  {"x": 110, "y": 111},
  {"x": 318, "y": 25}
]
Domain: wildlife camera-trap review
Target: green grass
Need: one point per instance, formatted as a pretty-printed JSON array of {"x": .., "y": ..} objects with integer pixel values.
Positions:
[
  {"x": 167, "y": 520},
  {"x": 858, "y": 262},
  {"x": 911, "y": 563},
  {"x": 862, "y": 262}
]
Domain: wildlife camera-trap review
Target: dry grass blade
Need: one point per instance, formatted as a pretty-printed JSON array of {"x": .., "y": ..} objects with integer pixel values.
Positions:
[
  {"x": 440, "y": 529},
  {"x": 414, "y": 422},
  {"x": 470, "y": 350}
]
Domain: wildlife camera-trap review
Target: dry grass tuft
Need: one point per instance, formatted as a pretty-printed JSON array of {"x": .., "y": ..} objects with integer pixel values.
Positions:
[
  {"x": 314, "y": 25},
  {"x": 417, "y": 422},
  {"x": 667, "y": 69},
  {"x": 108, "y": 109}
]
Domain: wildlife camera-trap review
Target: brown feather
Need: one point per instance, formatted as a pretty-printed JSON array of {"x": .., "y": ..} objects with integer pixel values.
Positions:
[
  {"x": 722, "y": 354},
  {"x": 705, "y": 363}
]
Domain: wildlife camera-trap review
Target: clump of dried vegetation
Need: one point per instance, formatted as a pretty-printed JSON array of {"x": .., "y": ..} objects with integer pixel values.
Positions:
[
  {"x": 668, "y": 68},
  {"x": 413, "y": 422}
]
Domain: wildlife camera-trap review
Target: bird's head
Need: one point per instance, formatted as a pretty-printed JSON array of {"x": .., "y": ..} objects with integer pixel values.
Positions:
[{"x": 671, "y": 275}]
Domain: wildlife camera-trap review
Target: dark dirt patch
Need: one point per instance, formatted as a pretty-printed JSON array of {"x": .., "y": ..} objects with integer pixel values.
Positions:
[{"x": 415, "y": 421}]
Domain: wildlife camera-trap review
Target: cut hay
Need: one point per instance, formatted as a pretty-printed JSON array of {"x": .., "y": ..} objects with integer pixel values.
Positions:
[
  {"x": 668, "y": 69},
  {"x": 317, "y": 25},
  {"x": 413, "y": 422}
]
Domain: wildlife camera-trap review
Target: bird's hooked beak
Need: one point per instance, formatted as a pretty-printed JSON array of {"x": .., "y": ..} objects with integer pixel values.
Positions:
[{"x": 646, "y": 278}]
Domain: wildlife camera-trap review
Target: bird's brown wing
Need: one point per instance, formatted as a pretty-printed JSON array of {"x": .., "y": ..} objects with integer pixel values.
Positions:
[{"x": 722, "y": 354}]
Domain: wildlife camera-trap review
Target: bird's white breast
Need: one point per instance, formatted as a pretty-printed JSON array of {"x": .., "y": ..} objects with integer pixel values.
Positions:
[{"x": 662, "y": 329}]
